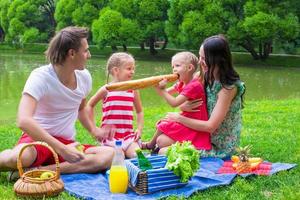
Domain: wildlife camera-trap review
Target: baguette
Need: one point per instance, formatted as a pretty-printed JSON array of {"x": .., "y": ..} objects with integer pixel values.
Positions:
[{"x": 141, "y": 83}]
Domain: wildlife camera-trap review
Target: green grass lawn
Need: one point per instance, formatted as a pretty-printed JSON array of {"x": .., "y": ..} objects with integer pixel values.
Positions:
[{"x": 271, "y": 127}]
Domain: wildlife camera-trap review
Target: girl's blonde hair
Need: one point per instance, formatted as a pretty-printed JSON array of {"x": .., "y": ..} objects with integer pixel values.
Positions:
[
  {"x": 190, "y": 58},
  {"x": 118, "y": 60}
]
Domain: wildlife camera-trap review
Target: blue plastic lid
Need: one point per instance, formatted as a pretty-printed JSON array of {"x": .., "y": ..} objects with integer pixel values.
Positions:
[{"x": 118, "y": 143}]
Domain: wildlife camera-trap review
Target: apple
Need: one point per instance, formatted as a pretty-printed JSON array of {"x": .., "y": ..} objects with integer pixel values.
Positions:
[
  {"x": 46, "y": 175},
  {"x": 80, "y": 148}
]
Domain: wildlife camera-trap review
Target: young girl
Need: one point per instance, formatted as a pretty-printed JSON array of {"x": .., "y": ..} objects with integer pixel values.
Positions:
[
  {"x": 117, "y": 107},
  {"x": 188, "y": 88}
]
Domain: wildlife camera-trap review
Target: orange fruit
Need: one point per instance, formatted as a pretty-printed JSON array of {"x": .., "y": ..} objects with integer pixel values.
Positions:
[{"x": 235, "y": 159}]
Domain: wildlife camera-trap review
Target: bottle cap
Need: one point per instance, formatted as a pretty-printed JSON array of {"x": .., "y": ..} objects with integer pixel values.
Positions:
[{"x": 118, "y": 143}]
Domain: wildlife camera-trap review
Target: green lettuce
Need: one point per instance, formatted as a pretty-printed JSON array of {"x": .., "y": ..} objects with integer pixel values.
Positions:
[{"x": 183, "y": 160}]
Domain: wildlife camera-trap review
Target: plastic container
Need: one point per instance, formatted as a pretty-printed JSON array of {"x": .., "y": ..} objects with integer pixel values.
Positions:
[{"x": 118, "y": 175}]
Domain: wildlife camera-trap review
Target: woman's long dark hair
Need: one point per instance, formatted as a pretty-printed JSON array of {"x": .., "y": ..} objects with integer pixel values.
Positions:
[{"x": 218, "y": 55}]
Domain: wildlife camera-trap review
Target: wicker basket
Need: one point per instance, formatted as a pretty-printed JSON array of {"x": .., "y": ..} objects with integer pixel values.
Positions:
[
  {"x": 156, "y": 179},
  {"x": 30, "y": 184}
]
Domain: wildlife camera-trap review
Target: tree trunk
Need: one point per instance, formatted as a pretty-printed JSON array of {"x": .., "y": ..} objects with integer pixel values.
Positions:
[
  {"x": 249, "y": 47},
  {"x": 114, "y": 48},
  {"x": 151, "y": 46},
  {"x": 124, "y": 47},
  {"x": 1, "y": 34},
  {"x": 260, "y": 50},
  {"x": 267, "y": 50},
  {"x": 165, "y": 43},
  {"x": 49, "y": 8},
  {"x": 142, "y": 45}
]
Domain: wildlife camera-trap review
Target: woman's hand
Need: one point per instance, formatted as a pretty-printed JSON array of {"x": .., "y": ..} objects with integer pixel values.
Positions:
[
  {"x": 172, "y": 116},
  {"x": 191, "y": 106}
]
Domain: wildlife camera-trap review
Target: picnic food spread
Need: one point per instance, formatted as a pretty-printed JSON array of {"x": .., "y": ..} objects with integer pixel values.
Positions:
[
  {"x": 243, "y": 163},
  {"x": 141, "y": 83}
]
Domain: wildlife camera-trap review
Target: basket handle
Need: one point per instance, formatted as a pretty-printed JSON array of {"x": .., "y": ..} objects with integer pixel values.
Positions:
[{"x": 19, "y": 160}]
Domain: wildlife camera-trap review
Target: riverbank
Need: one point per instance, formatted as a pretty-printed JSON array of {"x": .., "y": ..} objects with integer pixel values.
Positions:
[
  {"x": 270, "y": 127},
  {"x": 239, "y": 58}
]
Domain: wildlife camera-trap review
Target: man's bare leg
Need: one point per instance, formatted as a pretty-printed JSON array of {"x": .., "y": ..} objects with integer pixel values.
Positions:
[
  {"x": 96, "y": 159},
  {"x": 8, "y": 157}
]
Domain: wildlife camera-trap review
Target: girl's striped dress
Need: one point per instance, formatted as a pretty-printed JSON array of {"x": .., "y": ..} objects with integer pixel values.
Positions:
[{"x": 117, "y": 110}]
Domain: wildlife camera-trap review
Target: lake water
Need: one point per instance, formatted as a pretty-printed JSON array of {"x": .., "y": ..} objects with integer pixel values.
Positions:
[{"x": 261, "y": 82}]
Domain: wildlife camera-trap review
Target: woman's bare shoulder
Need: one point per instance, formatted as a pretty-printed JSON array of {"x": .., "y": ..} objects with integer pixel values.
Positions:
[{"x": 228, "y": 93}]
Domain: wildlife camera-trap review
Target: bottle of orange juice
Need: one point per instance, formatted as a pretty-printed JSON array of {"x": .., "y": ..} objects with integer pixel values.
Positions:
[{"x": 118, "y": 175}]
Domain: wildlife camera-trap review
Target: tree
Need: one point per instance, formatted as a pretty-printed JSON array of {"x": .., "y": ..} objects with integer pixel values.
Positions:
[
  {"x": 4, "y": 22},
  {"x": 87, "y": 11},
  {"x": 106, "y": 29},
  {"x": 113, "y": 29},
  {"x": 151, "y": 17},
  {"x": 1, "y": 34},
  {"x": 253, "y": 25},
  {"x": 63, "y": 12},
  {"x": 129, "y": 32},
  {"x": 47, "y": 8},
  {"x": 24, "y": 21},
  {"x": 190, "y": 22},
  {"x": 259, "y": 24}
]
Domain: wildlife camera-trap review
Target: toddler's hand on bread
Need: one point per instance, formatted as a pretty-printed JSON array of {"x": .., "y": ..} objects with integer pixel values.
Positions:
[{"x": 162, "y": 84}]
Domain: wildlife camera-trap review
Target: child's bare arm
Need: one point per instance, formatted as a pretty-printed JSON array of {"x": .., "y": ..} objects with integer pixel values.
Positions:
[
  {"x": 90, "y": 107},
  {"x": 171, "y": 90},
  {"x": 139, "y": 114},
  {"x": 172, "y": 101},
  {"x": 167, "y": 95}
]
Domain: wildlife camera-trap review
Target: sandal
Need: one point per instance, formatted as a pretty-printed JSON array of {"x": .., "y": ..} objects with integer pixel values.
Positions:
[
  {"x": 154, "y": 150},
  {"x": 144, "y": 145}
]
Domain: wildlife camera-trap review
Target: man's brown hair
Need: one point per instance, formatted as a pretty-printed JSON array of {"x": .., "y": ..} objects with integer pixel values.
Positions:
[{"x": 66, "y": 39}]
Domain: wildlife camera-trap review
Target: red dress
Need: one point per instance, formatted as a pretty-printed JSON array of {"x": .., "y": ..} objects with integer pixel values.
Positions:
[{"x": 178, "y": 132}]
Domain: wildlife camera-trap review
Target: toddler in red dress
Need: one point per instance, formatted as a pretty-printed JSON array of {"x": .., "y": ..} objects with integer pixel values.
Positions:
[{"x": 188, "y": 88}]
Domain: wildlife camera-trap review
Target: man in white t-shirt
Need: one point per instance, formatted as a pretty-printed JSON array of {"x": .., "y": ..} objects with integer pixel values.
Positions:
[{"x": 53, "y": 98}]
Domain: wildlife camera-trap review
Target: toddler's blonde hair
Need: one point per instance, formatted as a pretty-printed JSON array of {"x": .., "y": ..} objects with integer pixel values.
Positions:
[
  {"x": 118, "y": 60},
  {"x": 188, "y": 57}
]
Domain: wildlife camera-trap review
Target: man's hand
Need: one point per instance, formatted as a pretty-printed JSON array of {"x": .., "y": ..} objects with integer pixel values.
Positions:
[
  {"x": 70, "y": 153},
  {"x": 105, "y": 133}
]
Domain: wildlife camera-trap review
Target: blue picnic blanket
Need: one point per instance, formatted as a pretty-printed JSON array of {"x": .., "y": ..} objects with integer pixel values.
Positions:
[{"x": 95, "y": 186}]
